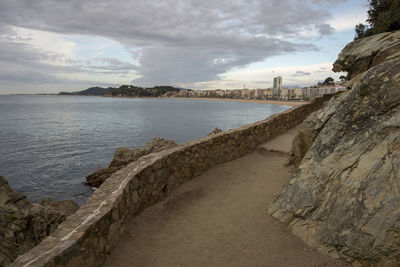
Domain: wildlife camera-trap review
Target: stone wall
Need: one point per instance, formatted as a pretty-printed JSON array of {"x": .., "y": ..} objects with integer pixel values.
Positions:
[{"x": 87, "y": 237}]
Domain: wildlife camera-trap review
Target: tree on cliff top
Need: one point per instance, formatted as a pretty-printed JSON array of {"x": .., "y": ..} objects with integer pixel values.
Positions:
[
  {"x": 383, "y": 16},
  {"x": 329, "y": 81}
]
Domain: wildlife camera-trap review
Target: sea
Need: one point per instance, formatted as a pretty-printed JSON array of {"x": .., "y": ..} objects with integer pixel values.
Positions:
[{"x": 49, "y": 143}]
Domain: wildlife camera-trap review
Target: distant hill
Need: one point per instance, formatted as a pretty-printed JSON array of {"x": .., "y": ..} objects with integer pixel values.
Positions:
[
  {"x": 134, "y": 91},
  {"x": 92, "y": 91},
  {"x": 126, "y": 90}
]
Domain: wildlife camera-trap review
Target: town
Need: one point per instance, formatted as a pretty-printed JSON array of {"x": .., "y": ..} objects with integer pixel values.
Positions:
[{"x": 277, "y": 92}]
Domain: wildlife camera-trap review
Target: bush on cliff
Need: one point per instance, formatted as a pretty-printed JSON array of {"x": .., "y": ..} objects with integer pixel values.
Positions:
[{"x": 383, "y": 16}]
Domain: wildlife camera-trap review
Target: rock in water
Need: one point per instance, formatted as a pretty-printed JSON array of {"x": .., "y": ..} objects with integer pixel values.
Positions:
[
  {"x": 24, "y": 225},
  {"x": 215, "y": 131},
  {"x": 97, "y": 178},
  {"x": 11, "y": 197},
  {"x": 123, "y": 156},
  {"x": 345, "y": 196}
]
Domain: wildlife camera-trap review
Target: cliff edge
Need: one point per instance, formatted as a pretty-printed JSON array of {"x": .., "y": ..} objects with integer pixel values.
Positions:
[{"x": 344, "y": 197}]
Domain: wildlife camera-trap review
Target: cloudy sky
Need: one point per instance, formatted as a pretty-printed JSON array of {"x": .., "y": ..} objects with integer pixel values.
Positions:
[{"x": 55, "y": 45}]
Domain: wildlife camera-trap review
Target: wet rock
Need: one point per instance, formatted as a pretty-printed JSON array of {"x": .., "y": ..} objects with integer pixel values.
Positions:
[
  {"x": 344, "y": 198},
  {"x": 123, "y": 156}
]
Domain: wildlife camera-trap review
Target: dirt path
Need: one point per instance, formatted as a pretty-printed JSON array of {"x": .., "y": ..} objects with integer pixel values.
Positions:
[{"x": 219, "y": 219}]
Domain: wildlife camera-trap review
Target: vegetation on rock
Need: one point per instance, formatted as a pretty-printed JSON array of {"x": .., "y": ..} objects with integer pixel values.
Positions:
[
  {"x": 134, "y": 91},
  {"x": 126, "y": 91},
  {"x": 328, "y": 81},
  {"x": 383, "y": 16},
  {"x": 92, "y": 91}
]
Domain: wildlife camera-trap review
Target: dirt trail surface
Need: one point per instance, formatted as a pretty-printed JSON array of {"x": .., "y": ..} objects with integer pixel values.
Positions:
[{"x": 219, "y": 219}]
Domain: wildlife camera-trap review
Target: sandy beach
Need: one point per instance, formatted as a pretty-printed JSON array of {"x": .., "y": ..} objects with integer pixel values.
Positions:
[{"x": 273, "y": 102}]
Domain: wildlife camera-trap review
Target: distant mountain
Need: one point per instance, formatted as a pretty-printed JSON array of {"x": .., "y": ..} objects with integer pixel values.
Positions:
[
  {"x": 92, "y": 91},
  {"x": 134, "y": 91},
  {"x": 126, "y": 90}
]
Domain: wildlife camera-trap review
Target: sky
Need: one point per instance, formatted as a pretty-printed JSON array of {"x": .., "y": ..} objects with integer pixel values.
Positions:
[{"x": 48, "y": 46}]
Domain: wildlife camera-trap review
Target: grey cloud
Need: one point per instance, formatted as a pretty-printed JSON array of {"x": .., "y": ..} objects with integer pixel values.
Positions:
[
  {"x": 323, "y": 70},
  {"x": 111, "y": 65},
  {"x": 20, "y": 63},
  {"x": 300, "y": 73},
  {"x": 146, "y": 19},
  {"x": 180, "y": 41},
  {"x": 165, "y": 65},
  {"x": 325, "y": 29}
]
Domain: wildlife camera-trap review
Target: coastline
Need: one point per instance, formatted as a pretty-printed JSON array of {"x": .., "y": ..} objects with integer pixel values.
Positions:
[{"x": 271, "y": 102}]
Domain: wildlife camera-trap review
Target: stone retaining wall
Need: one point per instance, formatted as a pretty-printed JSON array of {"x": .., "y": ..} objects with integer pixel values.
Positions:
[{"x": 86, "y": 237}]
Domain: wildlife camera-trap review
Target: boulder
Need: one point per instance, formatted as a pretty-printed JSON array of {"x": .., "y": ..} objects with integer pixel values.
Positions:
[
  {"x": 215, "y": 131},
  {"x": 123, "y": 156},
  {"x": 344, "y": 198},
  {"x": 97, "y": 178},
  {"x": 23, "y": 225}
]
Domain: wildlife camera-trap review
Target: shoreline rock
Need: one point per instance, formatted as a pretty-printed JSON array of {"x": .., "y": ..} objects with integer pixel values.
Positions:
[
  {"x": 215, "y": 131},
  {"x": 123, "y": 156},
  {"x": 23, "y": 225}
]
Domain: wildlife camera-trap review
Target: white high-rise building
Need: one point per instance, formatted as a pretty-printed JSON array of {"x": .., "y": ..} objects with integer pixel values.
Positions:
[{"x": 277, "y": 86}]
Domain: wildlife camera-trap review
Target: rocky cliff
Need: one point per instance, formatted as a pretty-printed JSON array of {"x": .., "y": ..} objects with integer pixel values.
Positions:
[
  {"x": 363, "y": 54},
  {"x": 23, "y": 225},
  {"x": 344, "y": 197}
]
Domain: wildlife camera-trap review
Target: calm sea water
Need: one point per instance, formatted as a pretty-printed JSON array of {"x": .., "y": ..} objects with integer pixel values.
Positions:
[{"x": 49, "y": 144}]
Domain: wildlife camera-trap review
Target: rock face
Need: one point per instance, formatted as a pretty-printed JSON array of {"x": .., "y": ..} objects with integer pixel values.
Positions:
[
  {"x": 123, "y": 156},
  {"x": 345, "y": 196},
  {"x": 310, "y": 128},
  {"x": 24, "y": 225},
  {"x": 362, "y": 54}
]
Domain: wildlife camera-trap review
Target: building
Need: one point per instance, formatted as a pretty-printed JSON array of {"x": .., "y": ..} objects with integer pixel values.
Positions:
[
  {"x": 277, "y": 87},
  {"x": 299, "y": 93},
  {"x": 268, "y": 94},
  {"x": 245, "y": 93},
  {"x": 284, "y": 94}
]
